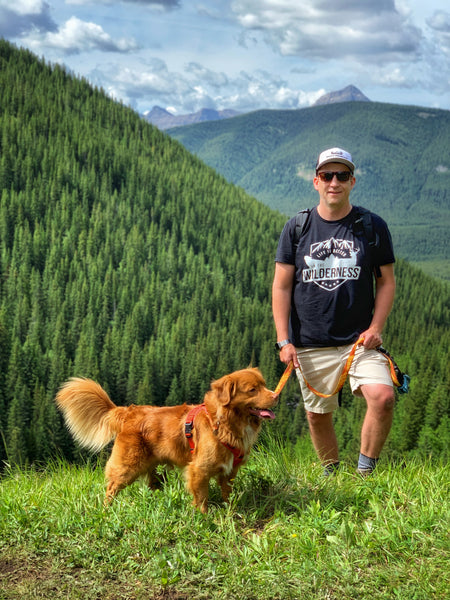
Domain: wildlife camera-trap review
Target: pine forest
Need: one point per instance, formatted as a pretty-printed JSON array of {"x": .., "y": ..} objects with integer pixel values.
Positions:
[{"x": 126, "y": 259}]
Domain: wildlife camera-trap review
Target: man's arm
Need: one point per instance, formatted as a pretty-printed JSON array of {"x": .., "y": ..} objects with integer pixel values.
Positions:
[
  {"x": 281, "y": 308},
  {"x": 384, "y": 299}
]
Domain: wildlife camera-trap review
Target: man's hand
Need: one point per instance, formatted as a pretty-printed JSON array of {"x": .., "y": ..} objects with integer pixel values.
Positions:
[
  {"x": 372, "y": 338},
  {"x": 288, "y": 353}
]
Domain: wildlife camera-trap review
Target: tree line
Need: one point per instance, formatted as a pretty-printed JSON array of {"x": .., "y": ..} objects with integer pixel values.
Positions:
[{"x": 124, "y": 258}]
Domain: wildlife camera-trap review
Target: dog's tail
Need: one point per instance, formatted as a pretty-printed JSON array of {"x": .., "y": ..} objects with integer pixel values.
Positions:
[{"x": 89, "y": 412}]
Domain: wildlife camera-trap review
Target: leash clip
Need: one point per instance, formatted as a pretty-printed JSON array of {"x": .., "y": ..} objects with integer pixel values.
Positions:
[{"x": 188, "y": 427}]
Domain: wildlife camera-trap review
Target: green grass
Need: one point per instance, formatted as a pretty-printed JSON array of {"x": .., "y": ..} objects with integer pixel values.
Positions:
[{"x": 287, "y": 533}]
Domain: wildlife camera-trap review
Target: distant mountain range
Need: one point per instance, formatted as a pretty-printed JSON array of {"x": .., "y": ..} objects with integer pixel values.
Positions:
[{"x": 163, "y": 119}]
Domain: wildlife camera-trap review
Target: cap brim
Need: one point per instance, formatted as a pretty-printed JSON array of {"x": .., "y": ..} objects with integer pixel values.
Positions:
[{"x": 343, "y": 161}]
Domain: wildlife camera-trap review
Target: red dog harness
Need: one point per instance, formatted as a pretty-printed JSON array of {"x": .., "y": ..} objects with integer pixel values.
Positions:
[{"x": 189, "y": 426}]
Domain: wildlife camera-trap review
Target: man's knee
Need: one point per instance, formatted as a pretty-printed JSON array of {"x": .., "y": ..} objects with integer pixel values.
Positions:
[
  {"x": 380, "y": 398},
  {"x": 318, "y": 419},
  {"x": 387, "y": 399}
]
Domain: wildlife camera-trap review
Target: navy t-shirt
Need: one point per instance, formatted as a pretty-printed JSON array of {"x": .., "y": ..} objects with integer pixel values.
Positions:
[{"x": 333, "y": 292}]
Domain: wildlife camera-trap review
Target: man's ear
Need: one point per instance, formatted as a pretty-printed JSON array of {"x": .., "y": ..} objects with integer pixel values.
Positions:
[{"x": 225, "y": 389}]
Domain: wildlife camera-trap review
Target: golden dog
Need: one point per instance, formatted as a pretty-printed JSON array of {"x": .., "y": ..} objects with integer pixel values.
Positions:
[{"x": 211, "y": 439}]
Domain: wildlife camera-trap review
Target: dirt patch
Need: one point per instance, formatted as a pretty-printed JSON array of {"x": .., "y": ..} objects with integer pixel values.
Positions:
[
  {"x": 30, "y": 578},
  {"x": 16, "y": 570}
]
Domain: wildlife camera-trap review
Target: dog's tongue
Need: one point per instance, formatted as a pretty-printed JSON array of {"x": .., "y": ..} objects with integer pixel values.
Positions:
[{"x": 263, "y": 413}]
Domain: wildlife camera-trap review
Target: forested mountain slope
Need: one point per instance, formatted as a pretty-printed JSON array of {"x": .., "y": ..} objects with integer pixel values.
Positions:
[
  {"x": 401, "y": 152},
  {"x": 126, "y": 259}
]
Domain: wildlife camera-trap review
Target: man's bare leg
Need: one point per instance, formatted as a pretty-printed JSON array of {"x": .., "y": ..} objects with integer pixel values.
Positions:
[
  {"x": 378, "y": 420},
  {"x": 377, "y": 423},
  {"x": 323, "y": 437}
]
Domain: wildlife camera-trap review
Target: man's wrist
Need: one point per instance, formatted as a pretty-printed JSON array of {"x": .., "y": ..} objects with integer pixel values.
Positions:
[{"x": 282, "y": 343}]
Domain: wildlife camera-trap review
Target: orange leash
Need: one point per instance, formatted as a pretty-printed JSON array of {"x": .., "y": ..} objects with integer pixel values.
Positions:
[
  {"x": 343, "y": 376},
  {"x": 284, "y": 378},
  {"x": 403, "y": 388}
]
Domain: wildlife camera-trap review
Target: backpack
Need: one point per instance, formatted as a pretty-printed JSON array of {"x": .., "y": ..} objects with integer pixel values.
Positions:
[{"x": 362, "y": 224}]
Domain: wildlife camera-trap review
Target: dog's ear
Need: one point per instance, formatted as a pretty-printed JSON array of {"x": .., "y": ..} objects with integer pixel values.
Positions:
[{"x": 225, "y": 389}]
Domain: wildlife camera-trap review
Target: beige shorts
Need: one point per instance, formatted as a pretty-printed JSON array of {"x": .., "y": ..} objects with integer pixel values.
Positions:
[{"x": 322, "y": 368}]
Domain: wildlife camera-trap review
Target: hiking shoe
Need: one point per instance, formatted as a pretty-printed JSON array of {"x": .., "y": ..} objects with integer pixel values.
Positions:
[
  {"x": 331, "y": 469},
  {"x": 364, "y": 472},
  {"x": 327, "y": 473}
]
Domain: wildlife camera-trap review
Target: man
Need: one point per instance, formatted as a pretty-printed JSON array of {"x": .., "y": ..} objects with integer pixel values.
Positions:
[{"x": 323, "y": 301}]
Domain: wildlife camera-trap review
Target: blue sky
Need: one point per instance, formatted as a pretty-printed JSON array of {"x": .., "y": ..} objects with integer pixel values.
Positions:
[{"x": 244, "y": 55}]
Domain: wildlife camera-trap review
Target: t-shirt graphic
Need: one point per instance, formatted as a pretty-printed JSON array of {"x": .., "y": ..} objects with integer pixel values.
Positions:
[{"x": 331, "y": 263}]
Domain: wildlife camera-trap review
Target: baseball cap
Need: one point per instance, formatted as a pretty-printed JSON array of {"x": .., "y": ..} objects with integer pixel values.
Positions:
[{"x": 335, "y": 155}]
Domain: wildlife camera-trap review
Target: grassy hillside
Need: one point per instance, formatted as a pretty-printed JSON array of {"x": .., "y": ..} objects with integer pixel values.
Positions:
[
  {"x": 126, "y": 259},
  {"x": 401, "y": 152},
  {"x": 288, "y": 534}
]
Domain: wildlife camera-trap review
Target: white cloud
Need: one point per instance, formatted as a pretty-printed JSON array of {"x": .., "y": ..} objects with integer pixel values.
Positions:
[
  {"x": 24, "y": 7},
  {"x": 77, "y": 36},
  {"x": 319, "y": 30},
  {"x": 198, "y": 87},
  {"x": 20, "y": 17},
  {"x": 30, "y": 20}
]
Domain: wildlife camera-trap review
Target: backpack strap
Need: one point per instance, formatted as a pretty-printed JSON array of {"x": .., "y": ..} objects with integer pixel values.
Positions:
[
  {"x": 301, "y": 218},
  {"x": 364, "y": 224},
  {"x": 364, "y": 221}
]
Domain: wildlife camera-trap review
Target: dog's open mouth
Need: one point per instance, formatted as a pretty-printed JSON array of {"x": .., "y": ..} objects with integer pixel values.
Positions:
[{"x": 262, "y": 413}]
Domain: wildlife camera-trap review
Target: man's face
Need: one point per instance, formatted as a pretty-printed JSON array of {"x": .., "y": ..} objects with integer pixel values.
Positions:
[{"x": 334, "y": 192}]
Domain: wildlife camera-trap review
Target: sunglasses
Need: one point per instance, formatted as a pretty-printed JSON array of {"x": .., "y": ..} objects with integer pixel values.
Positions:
[{"x": 328, "y": 175}]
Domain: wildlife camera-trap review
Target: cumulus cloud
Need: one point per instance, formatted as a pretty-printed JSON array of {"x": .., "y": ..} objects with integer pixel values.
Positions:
[
  {"x": 318, "y": 29},
  {"x": 77, "y": 36},
  {"x": 21, "y": 17},
  {"x": 199, "y": 87},
  {"x": 31, "y": 20},
  {"x": 154, "y": 80}
]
